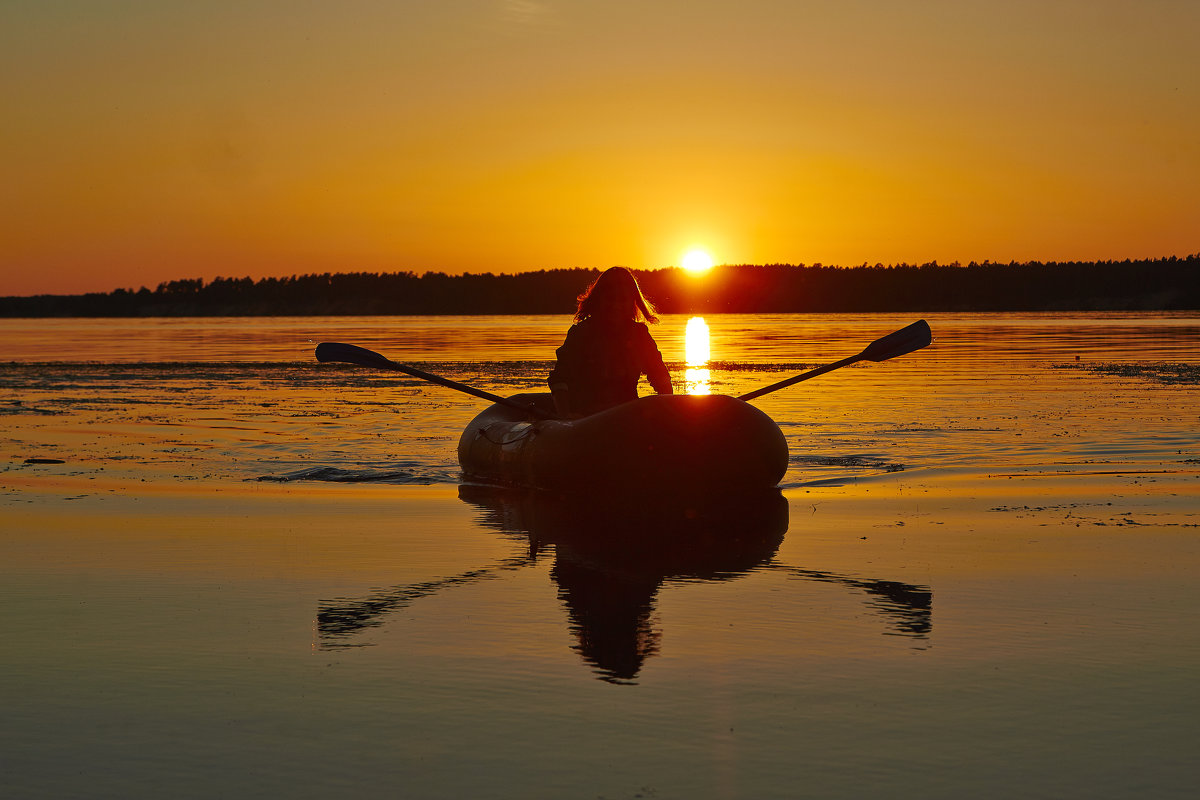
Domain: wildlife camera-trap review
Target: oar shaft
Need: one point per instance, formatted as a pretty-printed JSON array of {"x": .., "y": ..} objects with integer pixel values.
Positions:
[
  {"x": 449, "y": 384},
  {"x": 798, "y": 378}
]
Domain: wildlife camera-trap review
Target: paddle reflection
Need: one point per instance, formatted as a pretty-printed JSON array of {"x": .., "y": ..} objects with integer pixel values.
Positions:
[{"x": 609, "y": 564}]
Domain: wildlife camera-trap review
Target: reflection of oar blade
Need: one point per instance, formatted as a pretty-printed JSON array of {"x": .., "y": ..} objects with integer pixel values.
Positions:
[
  {"x": 353, "y": 354},
  {"x": 895, "y": 344},
  {"x": 342, "y": 618},
  {"x": 909, "y": 607}
]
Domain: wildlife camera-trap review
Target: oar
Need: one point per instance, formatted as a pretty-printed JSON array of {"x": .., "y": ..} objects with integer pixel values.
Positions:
[
  {"x": 352, "y": 354},
  {"x": 902, "y": 342}
]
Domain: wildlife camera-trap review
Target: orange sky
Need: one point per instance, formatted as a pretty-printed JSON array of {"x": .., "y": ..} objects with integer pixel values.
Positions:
[{"x": 146, "y": 140}]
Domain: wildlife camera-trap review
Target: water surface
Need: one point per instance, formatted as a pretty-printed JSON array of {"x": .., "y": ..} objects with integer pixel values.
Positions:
[{"x": 229, "y": 570}]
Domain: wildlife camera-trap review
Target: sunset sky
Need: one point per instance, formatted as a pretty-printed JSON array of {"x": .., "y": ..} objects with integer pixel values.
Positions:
[{"x": 149, "y": 140}]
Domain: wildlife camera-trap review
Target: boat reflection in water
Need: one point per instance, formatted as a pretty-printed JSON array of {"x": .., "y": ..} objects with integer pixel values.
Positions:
[{"x": 609, "y": 563}]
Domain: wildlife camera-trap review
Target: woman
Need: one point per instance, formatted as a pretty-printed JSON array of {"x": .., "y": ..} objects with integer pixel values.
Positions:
[{"x": 607, "y": 349}]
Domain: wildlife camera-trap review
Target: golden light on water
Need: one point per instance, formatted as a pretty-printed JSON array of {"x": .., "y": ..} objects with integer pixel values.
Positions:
[
  {"x": 696, "y": 350},
  {"x": 696, "y": 354},
  {"x": 696, "y": 380}
]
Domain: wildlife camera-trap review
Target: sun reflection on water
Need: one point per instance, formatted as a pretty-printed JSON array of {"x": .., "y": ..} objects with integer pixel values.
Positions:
[{"x": 696, "y": 355}]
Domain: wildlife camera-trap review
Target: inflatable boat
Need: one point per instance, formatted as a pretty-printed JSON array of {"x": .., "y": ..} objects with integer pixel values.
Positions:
[{"x": 655, "y": 446}]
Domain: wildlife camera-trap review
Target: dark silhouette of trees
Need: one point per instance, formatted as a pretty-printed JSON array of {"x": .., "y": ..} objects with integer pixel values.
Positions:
[{"x": 1160, "y": 284}]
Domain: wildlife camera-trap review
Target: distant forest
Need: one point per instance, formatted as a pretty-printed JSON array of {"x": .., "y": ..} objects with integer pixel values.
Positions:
[{"x": 1160, "y": 284}]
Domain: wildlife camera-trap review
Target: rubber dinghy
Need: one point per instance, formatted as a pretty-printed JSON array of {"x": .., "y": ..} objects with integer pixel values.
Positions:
[{"x": 660, "y": 445}]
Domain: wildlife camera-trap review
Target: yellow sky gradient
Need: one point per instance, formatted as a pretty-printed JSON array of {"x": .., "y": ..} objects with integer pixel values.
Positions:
[{"x": 147, "y": 141}]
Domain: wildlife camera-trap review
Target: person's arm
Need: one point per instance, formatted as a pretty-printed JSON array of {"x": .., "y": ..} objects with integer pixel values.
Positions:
[
  {"x": 656, "y": 371},
  {"x": 660, "y": 378},
  {"x": 560, "y": 387}
]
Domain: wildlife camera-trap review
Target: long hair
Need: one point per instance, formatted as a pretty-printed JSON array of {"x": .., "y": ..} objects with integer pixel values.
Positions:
[{"x": 615, "y": 294}]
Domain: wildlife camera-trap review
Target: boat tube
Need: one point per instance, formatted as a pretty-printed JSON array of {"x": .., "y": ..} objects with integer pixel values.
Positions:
[{"x": 655, "y": 446}]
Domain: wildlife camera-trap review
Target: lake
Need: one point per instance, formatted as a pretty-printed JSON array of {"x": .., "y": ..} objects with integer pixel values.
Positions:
[{"x": 229, "y": 570}]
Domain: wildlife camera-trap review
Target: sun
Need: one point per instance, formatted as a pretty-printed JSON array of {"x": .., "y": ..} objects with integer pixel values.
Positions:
[{"x": 697, "y": 261}]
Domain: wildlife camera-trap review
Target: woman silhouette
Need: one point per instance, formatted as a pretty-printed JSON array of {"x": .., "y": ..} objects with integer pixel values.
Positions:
[{"x": 607, "y": 349}]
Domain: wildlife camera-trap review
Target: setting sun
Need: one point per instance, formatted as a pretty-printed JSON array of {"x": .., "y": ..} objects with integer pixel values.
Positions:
[{"x": 697, "y": 261}]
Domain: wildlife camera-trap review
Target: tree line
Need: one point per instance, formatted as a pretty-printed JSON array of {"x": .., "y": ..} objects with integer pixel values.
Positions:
[{"x": 1158, "y": 284}]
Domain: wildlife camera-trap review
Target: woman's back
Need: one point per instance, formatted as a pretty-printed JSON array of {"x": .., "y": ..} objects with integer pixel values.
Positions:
[{"x": 602, "y": 360}]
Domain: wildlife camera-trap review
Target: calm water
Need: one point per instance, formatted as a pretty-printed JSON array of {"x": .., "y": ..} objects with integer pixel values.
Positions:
[
  {"x": 238, "y": 398},
  {"x": 231, "y": 571}
]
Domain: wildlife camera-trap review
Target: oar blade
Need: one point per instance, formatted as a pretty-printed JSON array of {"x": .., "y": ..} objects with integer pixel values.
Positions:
[
  {"x": 900, "y": 343},
  {"x": 352, "y": 354}
]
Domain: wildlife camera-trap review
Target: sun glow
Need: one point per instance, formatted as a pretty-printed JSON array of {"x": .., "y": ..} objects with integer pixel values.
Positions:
[
  {"x": 696, "y": 354},
  {"x": 697, "y": 261}
]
